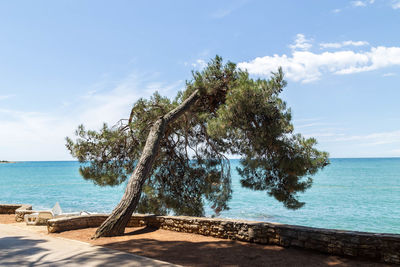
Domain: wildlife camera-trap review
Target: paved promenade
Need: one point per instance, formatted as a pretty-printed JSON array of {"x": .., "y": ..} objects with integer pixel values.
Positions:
[{"x": 23, "y": 247}]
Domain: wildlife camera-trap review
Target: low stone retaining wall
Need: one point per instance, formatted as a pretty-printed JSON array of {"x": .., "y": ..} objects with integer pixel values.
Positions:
[
  {"x": 20, "y": 213},
  {"x": 18, "y": 209},
  {"x": 75, "y": 222},
  {"x": 87, "y": 221},
  {"x": 378, "y": 247},
  {"x": 9, "y": 208}
]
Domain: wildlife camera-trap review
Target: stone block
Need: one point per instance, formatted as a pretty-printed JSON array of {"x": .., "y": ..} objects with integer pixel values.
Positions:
[
  {"x": 297, "y": 243},
  {"x": 320, "y": 237},
  {"x": 348, "y": 251},
  {"x": 303, "y": 236}
]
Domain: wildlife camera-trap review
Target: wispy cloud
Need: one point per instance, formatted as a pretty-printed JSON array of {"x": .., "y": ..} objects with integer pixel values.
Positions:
[
  {"x": 396, "y": 152},
  {"x": 359, "y": 3},
  {"x": 199, "y": 61},
  {"x": 227, "y": 10},
  {"x": 396, "y": 4},
  {"x": 311, "y": 125},
  {"x": 35, "y": 135},
  {"x": 323, "y": 135},
  {"x": 341, "y": 143},
  {"x": 338, "y": 135},
  {"x": 389, "y": 74},
  {"x": 113, "y": 104},
  {"x": 342, "y": 44},
  {"x": 373, "y": 139},
  {"x": 3, "y": 97},
  {"x": 166, "y": 89},
  {"x": 362, "y": 3},
  {"x": 199, "y": 64},
  {"x": 308, "y": 120},
  {"x": 307, "y": 66},
  {"x": 318, "y": 128}
]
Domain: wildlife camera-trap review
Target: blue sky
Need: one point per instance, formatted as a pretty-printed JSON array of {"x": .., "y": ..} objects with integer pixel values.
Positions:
[{"x": 63, "y": 63}]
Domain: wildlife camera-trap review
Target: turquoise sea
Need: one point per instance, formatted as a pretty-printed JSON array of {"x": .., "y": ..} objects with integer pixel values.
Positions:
[{"x": 351, "y": 194}]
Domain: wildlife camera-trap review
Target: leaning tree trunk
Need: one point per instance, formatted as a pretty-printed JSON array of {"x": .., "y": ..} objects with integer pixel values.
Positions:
[{"x": 115, "y": 224}]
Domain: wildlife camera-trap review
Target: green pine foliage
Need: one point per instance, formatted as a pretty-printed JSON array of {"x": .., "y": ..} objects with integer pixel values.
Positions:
[{"x": 235, "y": 115}]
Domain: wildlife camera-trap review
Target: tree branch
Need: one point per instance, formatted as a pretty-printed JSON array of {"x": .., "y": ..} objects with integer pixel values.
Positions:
[{"x": 183, "y": 107}]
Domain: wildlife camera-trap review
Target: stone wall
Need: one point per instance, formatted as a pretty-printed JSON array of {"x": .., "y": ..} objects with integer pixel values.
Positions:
[
  {"x": 9, "y": 208},
  {"x": 20, "y": 213},
  {"x": 18, "y": 209},
  {"x": 87, "y": 221},
  {"x": 373, "y": 246}
]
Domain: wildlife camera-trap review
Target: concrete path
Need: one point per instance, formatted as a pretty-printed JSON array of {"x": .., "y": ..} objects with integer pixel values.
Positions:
[{"x": 22, "y": 247}]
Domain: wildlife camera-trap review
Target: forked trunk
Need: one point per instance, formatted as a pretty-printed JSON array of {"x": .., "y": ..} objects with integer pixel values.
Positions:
[{"x": 115, "y": 224}]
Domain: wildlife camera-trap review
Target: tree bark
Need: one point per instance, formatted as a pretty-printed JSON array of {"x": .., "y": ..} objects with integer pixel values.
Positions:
[{"x": 115, "y": 224}]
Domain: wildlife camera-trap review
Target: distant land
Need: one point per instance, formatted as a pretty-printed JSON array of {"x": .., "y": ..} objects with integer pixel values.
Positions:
[{"x": 6, "y": 161}]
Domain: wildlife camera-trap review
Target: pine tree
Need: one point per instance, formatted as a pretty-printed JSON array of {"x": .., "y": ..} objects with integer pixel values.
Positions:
[{"x": 175, "y": 152}]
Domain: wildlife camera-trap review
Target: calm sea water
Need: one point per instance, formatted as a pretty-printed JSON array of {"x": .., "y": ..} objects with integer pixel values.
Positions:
[{"x": 352, "y": 194}]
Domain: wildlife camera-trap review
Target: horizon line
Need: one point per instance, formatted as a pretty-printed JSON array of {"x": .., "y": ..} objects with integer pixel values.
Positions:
[{"x": 392, "y": 157}]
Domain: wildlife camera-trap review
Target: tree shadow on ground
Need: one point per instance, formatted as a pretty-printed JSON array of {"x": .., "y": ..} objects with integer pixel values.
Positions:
[
  {"x": 23, "y": 251},
  {"x": 140, "y": 231},
  {"x": 16, "y": 249},
  {"x": 230, "y": 253}
]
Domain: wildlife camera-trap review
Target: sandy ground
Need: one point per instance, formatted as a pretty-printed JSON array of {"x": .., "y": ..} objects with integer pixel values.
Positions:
[
  {"x": 197, "y": 250},
  {"x": 7, "y": 218}
]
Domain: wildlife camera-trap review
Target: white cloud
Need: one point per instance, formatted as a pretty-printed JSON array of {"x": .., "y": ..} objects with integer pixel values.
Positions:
[
  {"x": 362, "y": 3},
  {"x": 337, "y": 135},
  {"x": 396, "y": 4},
  {"x": 111, "y": 105},
  {"x": 307, "y": 66},
  {"x": 200, "y": 64},
  {"x": 227, "y": 10},
  {"x": 381, "y": 138},
  {"x": 301, "y": 43},
  {"x": 3, "y": 97},
  {"x": 342, "y": 44},
  {"x": 340, "y": 143},
  {"x": 36, "y": 136},
  {"x": 378, "y": 57},
  {"x": 33, "y": 135},
  {"x": 310, "y": 125},
  {"x": 389, "y": 74},
  {"x": 359, "y": 3},
  {"x": 166, "y": 89}
]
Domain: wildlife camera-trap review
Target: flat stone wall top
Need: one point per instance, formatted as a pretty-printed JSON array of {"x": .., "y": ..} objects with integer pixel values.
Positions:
[{"x": 206, "y": 219}]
